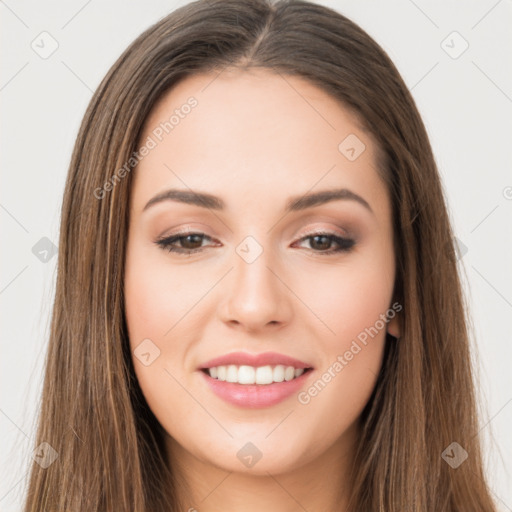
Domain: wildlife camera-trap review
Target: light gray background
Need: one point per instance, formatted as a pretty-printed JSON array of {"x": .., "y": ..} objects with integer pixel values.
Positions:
[{"x": 466, "y": 103}]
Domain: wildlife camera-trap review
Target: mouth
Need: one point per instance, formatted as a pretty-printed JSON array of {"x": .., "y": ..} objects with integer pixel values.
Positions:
[{"x": 255, "y": 381}]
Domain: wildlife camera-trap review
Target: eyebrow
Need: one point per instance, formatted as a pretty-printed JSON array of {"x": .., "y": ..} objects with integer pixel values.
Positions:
[{"x": 296, "y": 203}]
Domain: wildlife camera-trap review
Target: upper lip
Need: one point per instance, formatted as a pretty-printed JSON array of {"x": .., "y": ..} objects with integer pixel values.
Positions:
[{"x": 256, "y": 360}]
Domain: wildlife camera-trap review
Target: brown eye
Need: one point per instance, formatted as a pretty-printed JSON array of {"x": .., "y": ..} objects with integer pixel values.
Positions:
[
  {"x": 321, "y": 243},
  {"x": 189, "y": 242}
]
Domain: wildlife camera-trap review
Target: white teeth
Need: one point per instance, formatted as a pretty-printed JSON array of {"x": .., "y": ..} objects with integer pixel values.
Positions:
[
  {"x": 232, "y": 373},
  {"x": 289, "y": 373},
  {"x": 250, "y": 375},
  {"x": 264, "y": 375},
  {"x": 246, "y": 375},
  {"x": 221, "y": 372},
  {"x": 279, "y": 373}
]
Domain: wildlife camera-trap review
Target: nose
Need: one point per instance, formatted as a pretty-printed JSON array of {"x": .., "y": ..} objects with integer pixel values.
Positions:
[{"x": 255, "y": 295}]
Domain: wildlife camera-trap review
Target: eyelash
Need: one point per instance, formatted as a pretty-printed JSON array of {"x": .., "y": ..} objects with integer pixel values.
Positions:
[{"x": 345, "y": 244}]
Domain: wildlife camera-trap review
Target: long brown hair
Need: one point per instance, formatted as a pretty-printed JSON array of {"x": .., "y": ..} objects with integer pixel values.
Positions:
[{"x": 93, "y": 414}]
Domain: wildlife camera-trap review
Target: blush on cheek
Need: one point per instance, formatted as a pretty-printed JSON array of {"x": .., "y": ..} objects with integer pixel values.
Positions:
[
  {"x": 353, "y": 315},
  {"x": 150, "y": 303}
]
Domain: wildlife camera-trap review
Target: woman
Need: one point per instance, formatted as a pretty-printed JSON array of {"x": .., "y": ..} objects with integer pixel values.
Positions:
[{"x": 257, "y": 296}]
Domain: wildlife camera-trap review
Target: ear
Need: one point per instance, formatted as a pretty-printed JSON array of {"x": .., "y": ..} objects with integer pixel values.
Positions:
[{"x": 393, "y": 327}]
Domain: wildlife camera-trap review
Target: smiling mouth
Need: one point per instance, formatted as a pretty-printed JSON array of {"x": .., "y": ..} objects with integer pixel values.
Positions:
[{"x": 261, "y": 375}]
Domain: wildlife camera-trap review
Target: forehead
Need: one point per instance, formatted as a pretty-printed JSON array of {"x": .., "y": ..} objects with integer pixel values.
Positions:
[{"x": 254, "y": 134}]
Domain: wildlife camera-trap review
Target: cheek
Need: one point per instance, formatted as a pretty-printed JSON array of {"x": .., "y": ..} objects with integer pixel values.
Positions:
[
  {"x": 155, "y": 298},
  {"x": 351, "y": 299}
]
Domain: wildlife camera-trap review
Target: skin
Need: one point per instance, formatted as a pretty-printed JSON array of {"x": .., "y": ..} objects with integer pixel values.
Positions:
[{"x": 255, "y": 139}]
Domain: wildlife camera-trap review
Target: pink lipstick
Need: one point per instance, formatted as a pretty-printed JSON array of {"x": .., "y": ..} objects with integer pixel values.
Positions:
[{"x": 255, "y": 380}]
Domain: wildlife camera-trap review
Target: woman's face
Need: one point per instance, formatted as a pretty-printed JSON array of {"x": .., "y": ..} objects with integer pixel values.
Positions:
[{"x": 274, "y": 286}]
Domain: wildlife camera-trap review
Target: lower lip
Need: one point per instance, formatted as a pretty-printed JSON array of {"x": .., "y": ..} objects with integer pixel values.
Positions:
[{"x": 255, "y": 396}]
